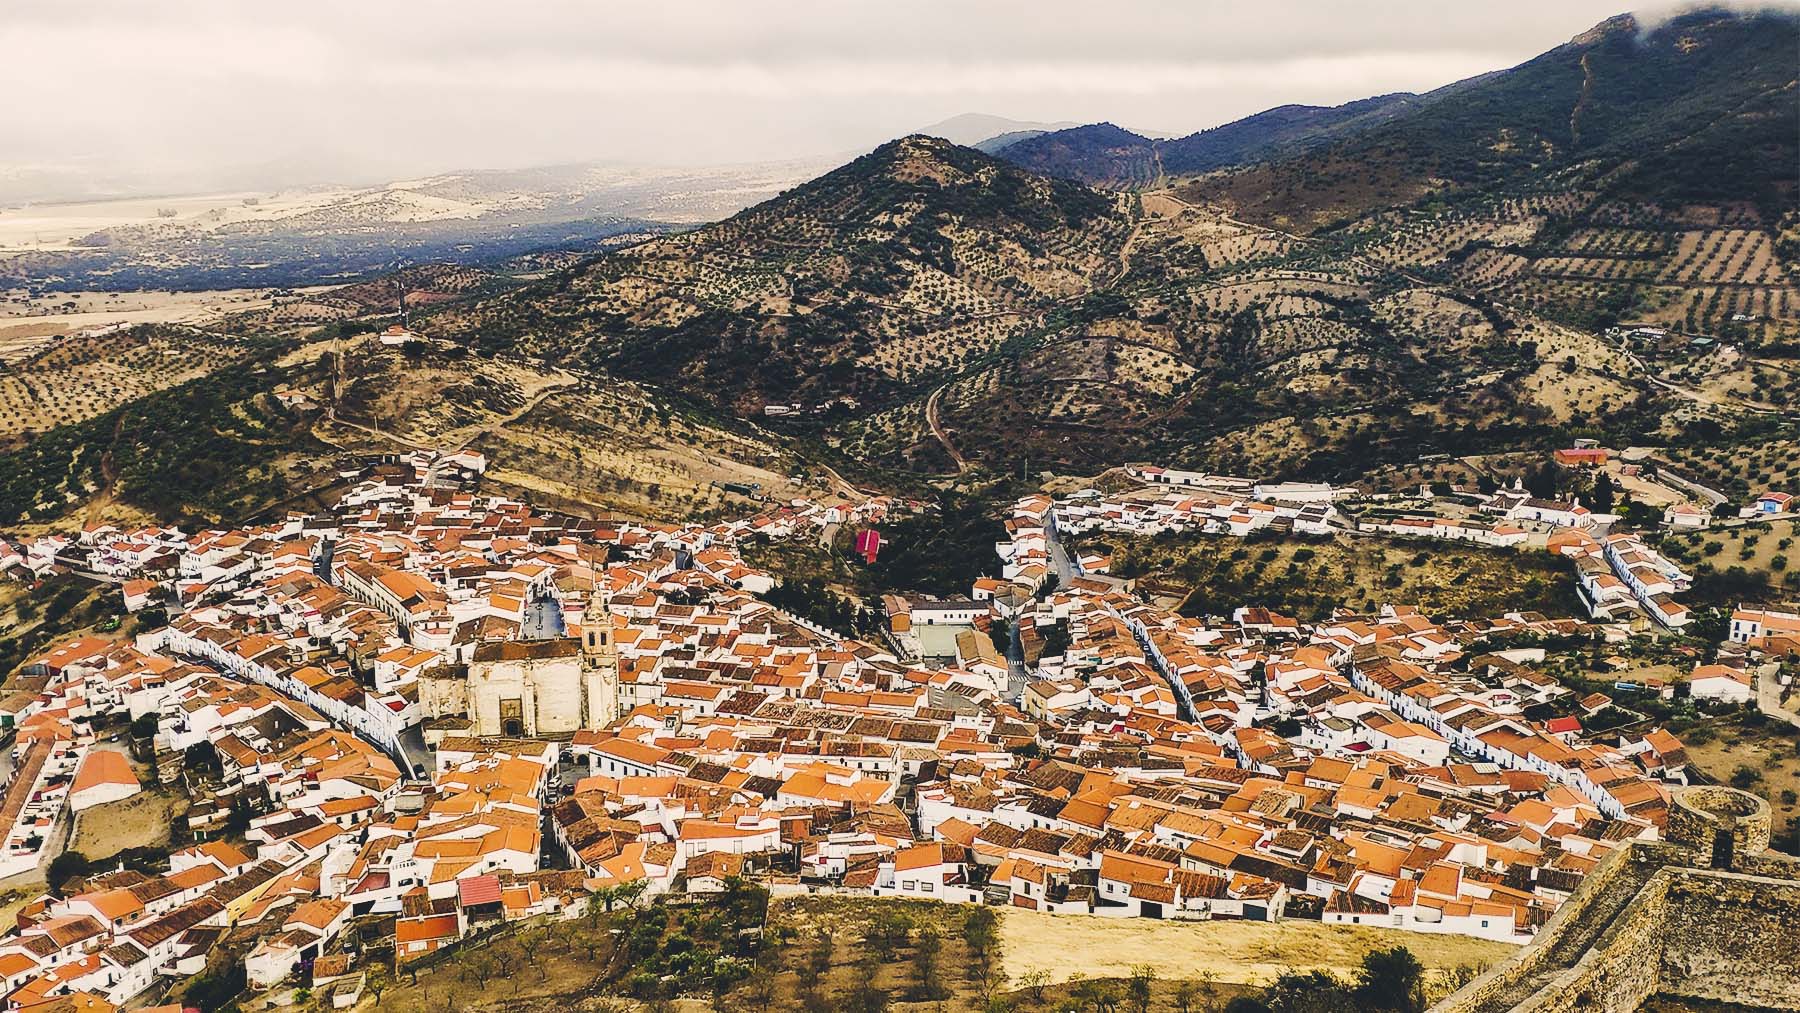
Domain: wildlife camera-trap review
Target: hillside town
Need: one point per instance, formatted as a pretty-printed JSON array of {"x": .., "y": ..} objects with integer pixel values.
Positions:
[{"x": 440, "y": 710}]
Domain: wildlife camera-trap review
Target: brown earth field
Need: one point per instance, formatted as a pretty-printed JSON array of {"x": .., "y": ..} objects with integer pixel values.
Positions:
[
  {"x": 141, "y": 821},
  {"x": 1232, "y": 952}
]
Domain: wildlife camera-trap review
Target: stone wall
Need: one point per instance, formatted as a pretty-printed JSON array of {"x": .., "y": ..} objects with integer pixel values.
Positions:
[
  {"x": 1501, "y": 987},
  {"x": 1622, "y": 970},
  {"x": 1654, "y": 918},
  {"x": 1732, "y": 937},
  {"x": 1702, "y": 815}
]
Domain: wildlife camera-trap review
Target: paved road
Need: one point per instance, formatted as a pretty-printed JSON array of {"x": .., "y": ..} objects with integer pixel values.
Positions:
[
  {"x": 1768, "y": 700},
  {"x": 1017, "y": 675},
  {"x": 1713, "y": 497},
  {"x": 841, "y": 486},
  {"x": 1059, "y": 558},
  {"x": 418, "y": 757},
  {"x": 543, "y": 620}
]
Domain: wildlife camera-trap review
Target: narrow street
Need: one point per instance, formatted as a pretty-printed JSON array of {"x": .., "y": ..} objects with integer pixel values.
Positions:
[
  {"x": 1059, "y": 557},
  {"x": 1016, "y": 672}
]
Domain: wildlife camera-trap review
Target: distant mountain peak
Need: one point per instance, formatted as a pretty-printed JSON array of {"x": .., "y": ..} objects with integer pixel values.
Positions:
[
  {"x": 971, "y": 129},
  {"x": 1613, "y": 25},
  {"x": 1106, "y": 154}
]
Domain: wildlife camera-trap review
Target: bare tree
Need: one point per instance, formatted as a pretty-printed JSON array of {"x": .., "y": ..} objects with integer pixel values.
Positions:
[
  {"x": 505, "y": 958},
  {"x": 1138, "y": 987},
  {"x": 482, "y": 966}
]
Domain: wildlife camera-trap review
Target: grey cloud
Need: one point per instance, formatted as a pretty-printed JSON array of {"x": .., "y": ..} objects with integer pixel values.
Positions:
[{"x": 192, "y": 93}]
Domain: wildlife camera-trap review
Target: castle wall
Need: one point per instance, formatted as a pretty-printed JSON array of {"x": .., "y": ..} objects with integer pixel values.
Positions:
[
  {"x": 1532, "y": 963},
  {"x": 1622, "y": 970},
  {"x": 1656, "y": 918},
  {"x": 1732, "y": 937},
  {"x": 1701, "y": 815}
]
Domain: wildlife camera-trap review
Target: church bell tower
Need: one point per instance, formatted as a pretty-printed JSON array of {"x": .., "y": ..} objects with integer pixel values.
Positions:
[{"x": 599, "y": 662}]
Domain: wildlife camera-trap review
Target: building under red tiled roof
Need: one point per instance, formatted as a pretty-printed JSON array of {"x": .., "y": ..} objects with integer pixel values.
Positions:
[{"x": 478, "y": 890}]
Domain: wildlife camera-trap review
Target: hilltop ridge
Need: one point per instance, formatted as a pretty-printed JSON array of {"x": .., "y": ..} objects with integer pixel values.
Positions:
[
  {"x": 1697, "y": 107},
  {"x": 837, "y": 287}
]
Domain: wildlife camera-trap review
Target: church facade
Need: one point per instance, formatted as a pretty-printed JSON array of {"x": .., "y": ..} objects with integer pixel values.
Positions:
[{"x": 535, "y": 688}]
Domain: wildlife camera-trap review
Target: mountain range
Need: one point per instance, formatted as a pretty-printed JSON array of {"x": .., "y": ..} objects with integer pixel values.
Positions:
[
  {"x": 1306, "y": 289},
  {"x": 1309, "y": 292},
  {"x": 323, "y": 234},
  {"x": 1106, "y": 155},
  {"x": 1699, "y": 107}
]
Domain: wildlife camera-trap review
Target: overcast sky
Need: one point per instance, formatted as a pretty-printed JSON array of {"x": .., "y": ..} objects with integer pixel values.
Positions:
[{"x": 375, "y": 89}]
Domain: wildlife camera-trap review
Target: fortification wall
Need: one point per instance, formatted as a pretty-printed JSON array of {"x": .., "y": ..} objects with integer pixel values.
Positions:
[
  {"x": 1721, "y": 824},
  {"x": 1732, "y": 937},
  {"x": 1501, "y": 986},
  {"x": 1657, "y": 919},
  {"x": 1618, "y": 973}
]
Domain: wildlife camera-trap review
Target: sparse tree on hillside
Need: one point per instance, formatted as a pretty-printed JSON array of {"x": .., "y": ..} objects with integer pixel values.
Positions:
[
  {"x": 1391, "y": 980},
  {"x": 1138, "y": 987}
]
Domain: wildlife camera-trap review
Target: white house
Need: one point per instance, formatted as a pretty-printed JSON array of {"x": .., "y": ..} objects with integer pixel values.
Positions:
[
  {"x": 105, "y": 776},
  {"x": 1719, "y": 682},
  {"x": 1687, "y": 517}
]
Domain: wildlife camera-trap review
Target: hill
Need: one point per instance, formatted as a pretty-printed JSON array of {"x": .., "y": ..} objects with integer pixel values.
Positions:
[
  {"x": 911, "y": 260},
  {"x": 971, "y": 311},
  {"x": 1279, "y": 131},
  {"x": 1699, "y": 108},
  {"x": 1099, "y": 154},
  {"x": 1102, "y": 154},
  {"x": 975, "y": 130}
]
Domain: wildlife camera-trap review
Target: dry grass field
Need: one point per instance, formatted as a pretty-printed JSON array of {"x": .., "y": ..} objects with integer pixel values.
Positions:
[
  {"x": 547, "y": 982},
  {"x": 618, "y": 447},
  {"x": 30, "y": 321},
  {"x": 141, "y": 821},
  {"x": 1463, "y": 471},
  {"x": 1232, "y": 952},
  {"x": 1767, "y": 550},
  {"x": 573, "y": 442},
  {"x": 1227, "y": 957},
  {"x": 434, "y": 400}
]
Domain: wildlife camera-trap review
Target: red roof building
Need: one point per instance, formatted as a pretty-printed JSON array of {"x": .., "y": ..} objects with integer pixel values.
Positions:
[
  {"x": 868, "y": 544},
  {"x": 478, "y": 890}
]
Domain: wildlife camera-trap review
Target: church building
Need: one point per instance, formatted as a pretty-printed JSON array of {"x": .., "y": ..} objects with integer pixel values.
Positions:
[{"x": 536, "y": 688}]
